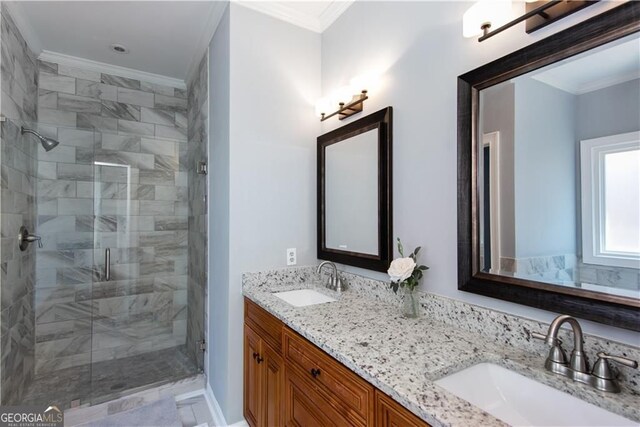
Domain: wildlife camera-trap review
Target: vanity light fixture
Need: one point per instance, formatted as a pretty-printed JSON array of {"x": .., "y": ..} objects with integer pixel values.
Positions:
[
  {"x": 485, "y": 14},
  {"x": 355, "y": 105}
]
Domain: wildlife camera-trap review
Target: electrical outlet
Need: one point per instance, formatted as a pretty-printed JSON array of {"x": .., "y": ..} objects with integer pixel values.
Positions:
[{"x": 291, "y": 256}]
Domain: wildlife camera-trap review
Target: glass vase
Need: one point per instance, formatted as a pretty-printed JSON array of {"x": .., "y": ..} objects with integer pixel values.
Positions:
[{"x": 410, "y": 304}]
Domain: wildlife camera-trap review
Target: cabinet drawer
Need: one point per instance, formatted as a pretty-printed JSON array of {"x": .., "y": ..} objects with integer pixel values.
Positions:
[
  {"x": 350, "y": 392},
  {"x": 266, "y": 325}
]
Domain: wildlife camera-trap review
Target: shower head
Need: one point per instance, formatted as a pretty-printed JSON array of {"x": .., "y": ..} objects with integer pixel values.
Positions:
[{"x": 47, "y": 143}]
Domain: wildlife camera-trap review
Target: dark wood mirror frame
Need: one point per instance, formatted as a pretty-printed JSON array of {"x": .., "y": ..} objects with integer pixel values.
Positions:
[
  {"x": 614, "y": 310},
  {"x": 383, "y": 121}
]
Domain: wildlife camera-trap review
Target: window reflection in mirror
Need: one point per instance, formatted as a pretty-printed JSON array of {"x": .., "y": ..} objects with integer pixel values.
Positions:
[{"x": 559, "y": 172}]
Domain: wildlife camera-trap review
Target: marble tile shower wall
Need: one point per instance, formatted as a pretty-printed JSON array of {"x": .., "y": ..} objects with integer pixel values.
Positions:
[
  {"x": 553, "y": 268},
  {"x": 18, "y": 86},
  {"x": 614, "y": 277},
  {"x": 197, "y": 115},
  {"x": 141, "y": 214}
]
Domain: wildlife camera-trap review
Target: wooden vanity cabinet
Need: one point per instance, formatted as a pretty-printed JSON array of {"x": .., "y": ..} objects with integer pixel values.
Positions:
[
  {"x": 391, "y": 414},
  {"x": 288, "y": 381},
  {"x": 263, "y": 368}
]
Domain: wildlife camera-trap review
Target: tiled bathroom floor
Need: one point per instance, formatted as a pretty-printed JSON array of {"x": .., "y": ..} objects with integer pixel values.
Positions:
[
  {"x": 107, "y": 380},
  {"x": 194, "y": 411},
  {"x": 188, "y": 394}
]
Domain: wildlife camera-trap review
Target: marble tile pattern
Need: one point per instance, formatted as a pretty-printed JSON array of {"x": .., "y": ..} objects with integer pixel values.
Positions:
[
  {"x": 558, "y": 269},
  {"x": 402, "y": 357},
  {"x": 134, "y": 201},
  {"x": 18, "y": 160},
  {"x": 197, "y": 124},
  {"x": 194, "y": 411},
  {"x": 616, "y": 277},
  {"x": 176, "y": 388},
  {"x": 19, "y": 73},
  {"x": 110, "y": 379}
]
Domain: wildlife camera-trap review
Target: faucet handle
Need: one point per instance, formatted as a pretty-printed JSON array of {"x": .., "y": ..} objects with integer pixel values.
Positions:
[
  {"x": 538, "y": 336},
  {"x": 543, "y": 337},
  {"x": 603, "y": 378},
  {"x": 619, "y": 359}
]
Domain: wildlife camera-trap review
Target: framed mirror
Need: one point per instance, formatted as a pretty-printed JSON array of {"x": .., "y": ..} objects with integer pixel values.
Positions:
[
  {"x": 354, "y": 193},
  {"x": 549, "y": 173}
]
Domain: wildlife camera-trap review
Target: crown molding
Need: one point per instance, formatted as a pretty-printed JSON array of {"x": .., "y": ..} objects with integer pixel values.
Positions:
[
  {"x": 102, "y": 67},
  {"x": 333, "y": 12},
  {"x": 216, "y": 11},
  {"x": 607, "y": 82},
  {"x": 26, "y": 30},
  {"x": 285, "y": 12}
]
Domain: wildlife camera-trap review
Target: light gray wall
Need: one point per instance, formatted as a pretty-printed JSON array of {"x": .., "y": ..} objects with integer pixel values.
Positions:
[
  {"x": 545, "y": 170},
  {"x": 419, "y": 48},
  {"x": 497, "y": 114},
  {"x": 266, "y": 192},
  {"x": 218, "y": 204},
  {"x": 609, "y": 111}
]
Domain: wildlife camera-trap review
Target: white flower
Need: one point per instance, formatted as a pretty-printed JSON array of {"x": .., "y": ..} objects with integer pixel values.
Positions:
[{"x": 401, "y": 269}]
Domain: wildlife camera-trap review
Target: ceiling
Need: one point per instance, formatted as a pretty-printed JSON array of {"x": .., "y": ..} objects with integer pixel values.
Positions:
[
  {"x": 165, "y": 38},
  {"x": 612, "y": 64}
]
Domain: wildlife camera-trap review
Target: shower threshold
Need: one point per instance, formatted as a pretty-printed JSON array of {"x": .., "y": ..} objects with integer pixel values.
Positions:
[{"x": 107, "y": 380}]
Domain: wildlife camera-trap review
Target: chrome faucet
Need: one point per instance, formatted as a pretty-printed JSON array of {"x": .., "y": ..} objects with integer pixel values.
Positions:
[
  {"x": 334, "y": 283},
  {"x": 577, "y": 369}
]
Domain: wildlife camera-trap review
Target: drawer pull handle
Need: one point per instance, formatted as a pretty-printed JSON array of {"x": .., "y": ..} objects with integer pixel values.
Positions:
[
  {"x": 259, "y": 359},
  {"x": 315, "y": 372},
  {"x": 255, "y": 355}
]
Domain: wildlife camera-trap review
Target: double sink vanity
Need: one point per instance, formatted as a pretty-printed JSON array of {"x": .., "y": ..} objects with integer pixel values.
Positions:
[
  {"x": 342, "y": 354},
  {"x": 319, "y": 357}
]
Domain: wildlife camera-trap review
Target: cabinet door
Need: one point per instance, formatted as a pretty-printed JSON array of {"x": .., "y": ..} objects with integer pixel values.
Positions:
[
  {"x": 252, "y": 378},
  {"x": 273, "y": 386},
  {"x": 391, "y": 414},
  {"x": 304, "y": 407},
  {"x": 349, "y": 394}
]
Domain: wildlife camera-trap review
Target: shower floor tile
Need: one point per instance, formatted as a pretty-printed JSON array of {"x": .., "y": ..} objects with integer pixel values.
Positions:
[{"x": 109, "y": 379}]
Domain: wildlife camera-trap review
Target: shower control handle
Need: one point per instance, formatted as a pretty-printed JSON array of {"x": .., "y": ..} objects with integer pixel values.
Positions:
[
  {"x": 107, "y": 264},
  {"x": 24, "y": 238}
]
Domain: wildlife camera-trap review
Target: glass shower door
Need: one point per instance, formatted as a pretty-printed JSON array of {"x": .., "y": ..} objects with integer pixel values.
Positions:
[
  {"x": 139, "y": 327},
  {"x": 64, "y": 266}
]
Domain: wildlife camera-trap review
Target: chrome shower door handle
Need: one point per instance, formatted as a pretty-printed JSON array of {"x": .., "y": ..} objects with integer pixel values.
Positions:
[{"x": 107, "y": 264}]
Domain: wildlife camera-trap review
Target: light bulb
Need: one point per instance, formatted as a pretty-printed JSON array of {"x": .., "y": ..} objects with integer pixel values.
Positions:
[
  {"x": 362, "y": 82},
  {"x": 342, "y": 95}
]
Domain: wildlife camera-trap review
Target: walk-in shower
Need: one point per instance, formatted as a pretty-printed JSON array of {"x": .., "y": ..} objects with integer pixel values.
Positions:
[
  {"x": 109, "y": 298},
  {"x": 47, "y": 143}
]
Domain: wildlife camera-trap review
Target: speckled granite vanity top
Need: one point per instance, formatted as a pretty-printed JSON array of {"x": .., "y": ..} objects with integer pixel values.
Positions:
[{"x": 402, "y": 357}]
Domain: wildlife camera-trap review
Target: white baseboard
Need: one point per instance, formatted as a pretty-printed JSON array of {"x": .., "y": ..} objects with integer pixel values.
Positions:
[
  {"x": 214, "y": 407},
  {"x": 216, "y": 411}
]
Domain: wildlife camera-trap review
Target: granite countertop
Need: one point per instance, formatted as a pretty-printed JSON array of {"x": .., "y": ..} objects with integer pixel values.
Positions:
[{"x": 403, "y": 357}]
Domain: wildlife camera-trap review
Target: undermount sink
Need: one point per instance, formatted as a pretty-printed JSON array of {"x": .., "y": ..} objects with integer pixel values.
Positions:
[
  {"x": 518, "y": 400},
  {"x": 303, "y": 297}
]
